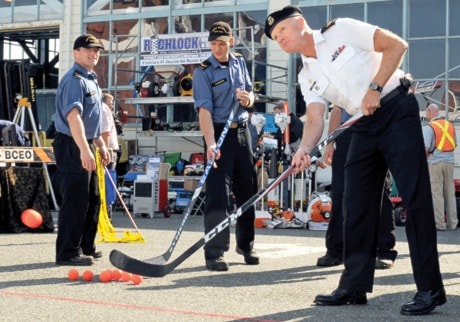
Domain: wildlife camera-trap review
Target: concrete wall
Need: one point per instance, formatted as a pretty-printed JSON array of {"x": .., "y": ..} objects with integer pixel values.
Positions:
[{"x": 71, "y": 27}]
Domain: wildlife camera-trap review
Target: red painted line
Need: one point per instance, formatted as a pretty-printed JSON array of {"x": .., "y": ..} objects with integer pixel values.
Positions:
[{"x": 132, "y": 306}]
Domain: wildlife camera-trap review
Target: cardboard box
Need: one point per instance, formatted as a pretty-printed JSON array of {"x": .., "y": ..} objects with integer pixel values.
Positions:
[{"x": 191, "y": 184}]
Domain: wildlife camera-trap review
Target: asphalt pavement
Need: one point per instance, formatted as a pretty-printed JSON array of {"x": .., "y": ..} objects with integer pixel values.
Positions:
[{"x": 281, "y": 288}]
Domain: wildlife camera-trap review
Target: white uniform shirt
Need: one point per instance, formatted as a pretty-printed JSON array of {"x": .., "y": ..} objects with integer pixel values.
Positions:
[
  {"x": 346, "y": 65},
  {"x": 108, "y": 125}
]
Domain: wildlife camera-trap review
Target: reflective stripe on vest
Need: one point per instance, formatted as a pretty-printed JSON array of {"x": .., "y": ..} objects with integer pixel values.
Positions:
[{"x": 444, "y": 133}]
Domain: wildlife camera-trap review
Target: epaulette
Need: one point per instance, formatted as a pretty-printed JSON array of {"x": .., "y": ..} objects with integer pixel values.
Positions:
[
  {"x": 204, "y": 65},
  {"x": 238, "y": 54},
  {"x": 79, "y": 75},
  {"x": 328, "y": 25}
]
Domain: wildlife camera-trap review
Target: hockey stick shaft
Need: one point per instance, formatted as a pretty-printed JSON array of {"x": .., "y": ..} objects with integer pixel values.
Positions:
[
  {"x": 120, "y": 198},
  {"x": 188, "y": 210},
  {"x": 315, "y": 154},
  {"x": 146, "y": 268}
]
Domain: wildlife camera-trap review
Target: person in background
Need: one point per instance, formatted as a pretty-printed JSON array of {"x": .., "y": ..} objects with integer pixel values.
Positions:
[
  {"x": 78, "y": 119},
  {"x": 108, "y": 129},
  {"x": 110, "y": 137},
  {"x": 224, "y": 80},
  {"x": 284, "y": 151},
  {"x": 440, "y": 142},
  {"x": 336, "y": 155},
  {"x": 295, "y": 126},
  {"x": 355, "y": 65}
]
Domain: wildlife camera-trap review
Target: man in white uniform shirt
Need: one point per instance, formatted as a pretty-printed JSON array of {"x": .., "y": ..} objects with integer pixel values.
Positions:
[
  {"x": 108, "y": 129},
  {"x": 110, "y": 137},
  {"x": 355, "y": 65}
]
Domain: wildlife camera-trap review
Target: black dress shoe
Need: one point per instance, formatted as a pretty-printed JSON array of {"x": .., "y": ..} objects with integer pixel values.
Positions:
[
  {"x": 341, "y": 297},
  {"x": 217, "y": 264},
  {"x": 80, "y": 260},
  {"x": 383, "y": 263},
  {"x": 95, "y": 254},
  {"x": 250, "y": 257},
  {"x": 328, "y": 260},
  {"x": 424, "y": 302}
]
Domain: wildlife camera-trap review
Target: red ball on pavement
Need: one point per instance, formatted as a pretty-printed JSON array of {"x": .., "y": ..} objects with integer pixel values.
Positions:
[
  {"x": 31, "y": 218},
  {"x": 88, "y": 275},
  {"x": 137, "y": 279},
  {"x": 125, "y": 277},
  {"x": 105, "y": 276},
  {"x": 116, "y": 275},
  {"x": 73, "y": 274}
]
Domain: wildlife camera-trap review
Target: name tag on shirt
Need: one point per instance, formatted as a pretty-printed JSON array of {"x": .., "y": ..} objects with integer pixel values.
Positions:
[{"x": 342, "y": 55}]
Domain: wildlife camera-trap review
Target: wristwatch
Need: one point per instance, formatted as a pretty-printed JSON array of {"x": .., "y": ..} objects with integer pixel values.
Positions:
[{"x": 375, "y": 87}]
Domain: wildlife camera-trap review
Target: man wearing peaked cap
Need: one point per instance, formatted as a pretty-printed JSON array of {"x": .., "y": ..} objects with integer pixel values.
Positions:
[
  {"x": 87, "y": 41},
  {"x": 220, "y": 31},
  {"x": 78, "y": 125},
  {"x": 275, "y": 17},
  {"x": 224, "y": 82},
  {"x": 356, "y": 66}
]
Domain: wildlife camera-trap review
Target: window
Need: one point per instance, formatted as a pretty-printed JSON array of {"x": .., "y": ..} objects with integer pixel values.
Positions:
[
  {"x": 387, "y": 14},
  {"x": 23, "y": 11},
  {"x": 427, "y": 18},
  {"x": 423, "y": 51},
  {"x": 355, "y": 11},
  {"x": 316, "y": 16}
]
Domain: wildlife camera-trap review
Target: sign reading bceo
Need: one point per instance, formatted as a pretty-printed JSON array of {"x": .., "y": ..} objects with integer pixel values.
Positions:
[{"x": 16, "y": 155}]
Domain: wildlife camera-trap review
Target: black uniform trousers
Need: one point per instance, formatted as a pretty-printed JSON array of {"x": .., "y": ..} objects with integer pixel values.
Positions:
[
  {"x": 79, "y": 194},
  {"x": 334, "y": 235},
  {"x": 234, "y": 176},
  {"x": 391, "y": 138}
]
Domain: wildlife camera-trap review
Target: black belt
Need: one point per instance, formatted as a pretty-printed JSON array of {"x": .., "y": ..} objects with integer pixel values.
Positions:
[
  {"x": 70, "y": 138},
  {"x": 406, "y": 83},
  {"x": 393, "y": 94}
]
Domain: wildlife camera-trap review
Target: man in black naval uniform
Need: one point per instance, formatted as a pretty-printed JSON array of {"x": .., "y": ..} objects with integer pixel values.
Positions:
[
  {"x": 355, "y": 65},
  {"x": 78, "y": 119}
]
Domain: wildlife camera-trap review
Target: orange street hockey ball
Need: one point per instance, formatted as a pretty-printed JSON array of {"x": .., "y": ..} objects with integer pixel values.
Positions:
[
  {"x": 88, "y": 275},
  {"x": 125, "y": 277},
  {"x": 73, "y": 274},
  {"x": 31, "y": 218},
  {"x": 137, "y": 279},
  {"x": 105, "y": 276},
  {"x": 116, "y": 275}
]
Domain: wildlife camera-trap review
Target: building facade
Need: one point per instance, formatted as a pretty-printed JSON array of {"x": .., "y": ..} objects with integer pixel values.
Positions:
[{"x": 429, "y": 26}]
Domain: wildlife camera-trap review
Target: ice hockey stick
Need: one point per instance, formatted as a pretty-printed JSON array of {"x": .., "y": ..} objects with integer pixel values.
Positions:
[
  {"x": 187, "y": 211},
  {"x": 150, "y": 269}
]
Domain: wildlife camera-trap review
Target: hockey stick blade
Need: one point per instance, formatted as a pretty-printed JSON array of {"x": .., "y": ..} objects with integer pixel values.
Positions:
[{"x": 151, "y": 269}]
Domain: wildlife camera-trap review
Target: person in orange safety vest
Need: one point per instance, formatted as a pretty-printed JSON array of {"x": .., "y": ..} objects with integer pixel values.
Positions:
[{"x": 440, "y": 143}]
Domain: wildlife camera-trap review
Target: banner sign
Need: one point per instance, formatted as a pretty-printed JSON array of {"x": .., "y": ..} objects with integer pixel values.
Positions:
[
  {"x": 26, "y": 154},
  {"x": 175, "y": 49}
]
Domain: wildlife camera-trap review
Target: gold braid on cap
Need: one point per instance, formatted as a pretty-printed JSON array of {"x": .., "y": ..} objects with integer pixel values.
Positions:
[{"x": 219, "y": 28}]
